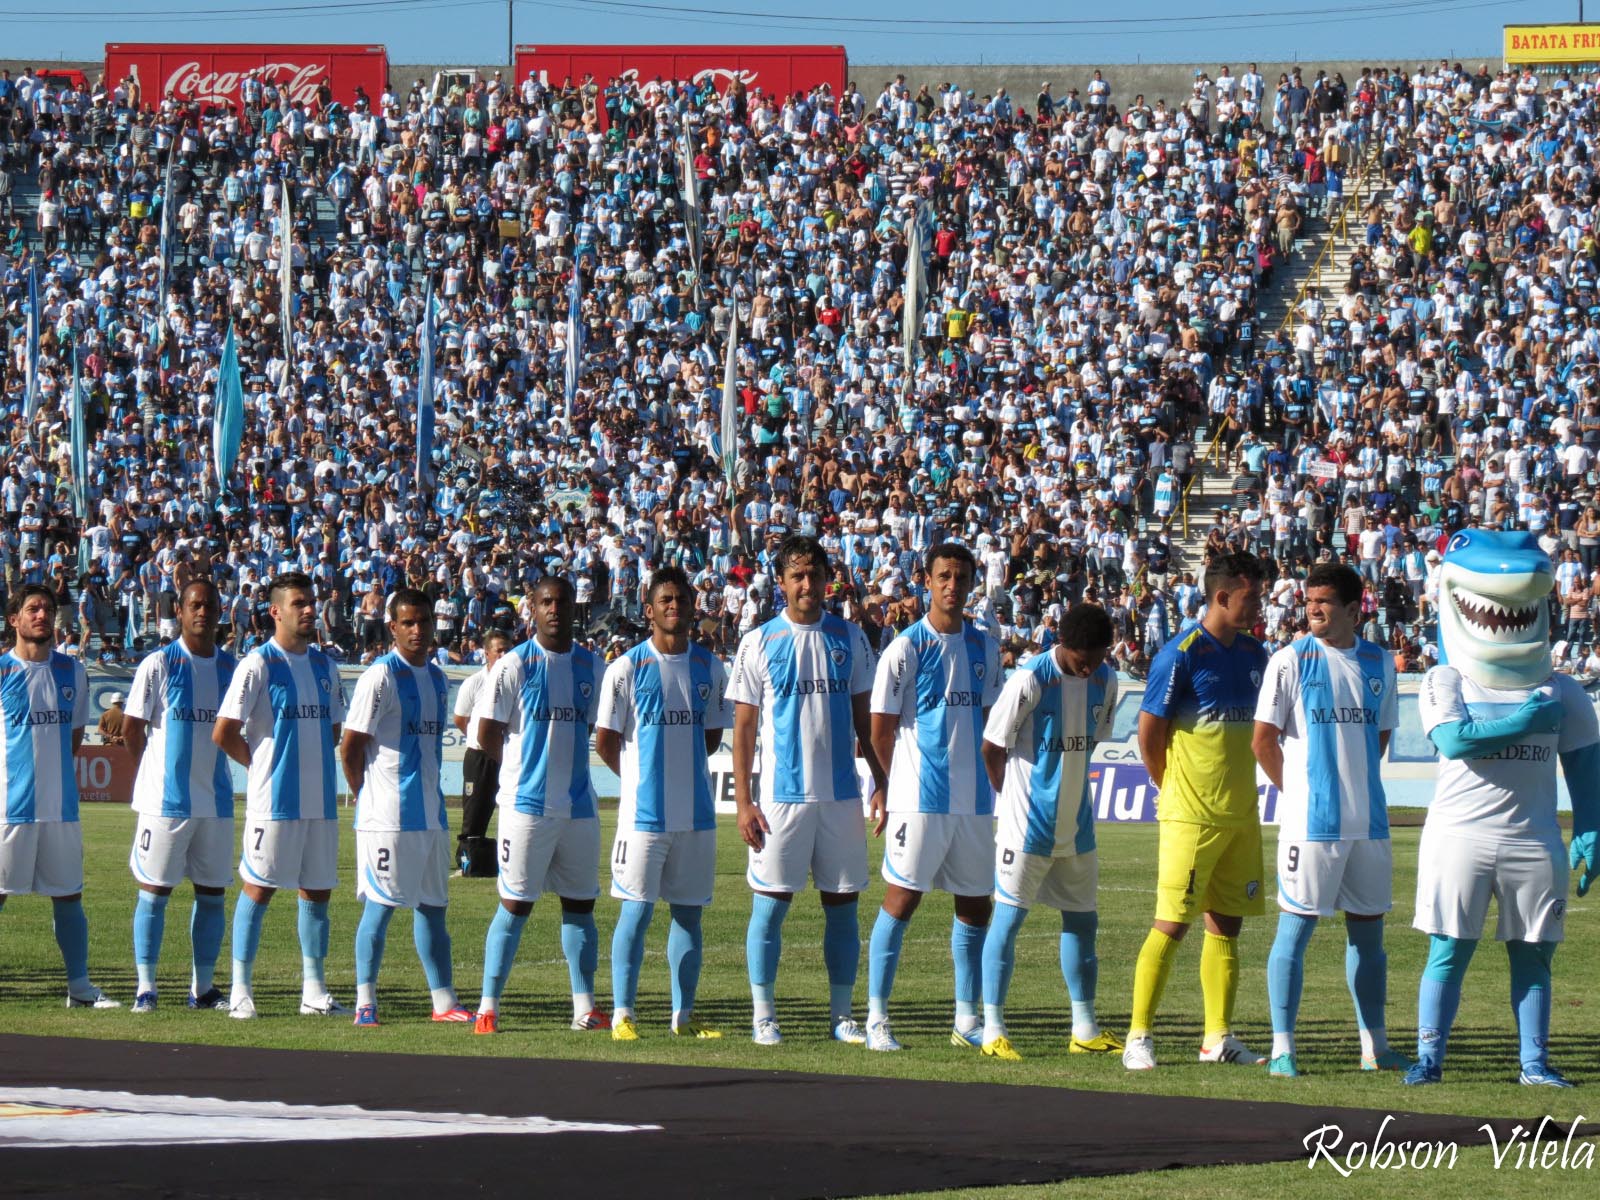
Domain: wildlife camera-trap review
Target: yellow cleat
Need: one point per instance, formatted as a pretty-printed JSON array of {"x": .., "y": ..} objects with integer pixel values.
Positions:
[
  {"x": 1002, "y": 1049},
  {"x": 1101, "y": 1044},
  {"x": 695, "y": 1029},
  {"x": 624, "y": 1030}
]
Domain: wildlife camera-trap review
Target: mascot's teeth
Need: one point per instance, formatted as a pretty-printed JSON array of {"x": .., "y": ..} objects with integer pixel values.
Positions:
[{"x": 1494, "y": 616}]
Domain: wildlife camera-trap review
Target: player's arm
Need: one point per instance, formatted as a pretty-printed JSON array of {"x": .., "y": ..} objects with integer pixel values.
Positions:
[
  {"x": 861, "y": 718},
  {"x": 1268, "y": 750},
  {"x": 1165, "y": 686},
  {"x": 1154, "y": 735},
  {"x": 353, "y": 756},
  {"x": 460, "y": 722},
  {"x": 884, "y": 727},
  {"x": 616, "y": 708},
  {"x": 1003, "y": 723},
  {"x": 133, "y": 738},
  {"x": 994, "y": 762},
  {"x": 892, "y": 687},
  {"x": 1579, "y": 749},
  {"x": 608, "y": 745},
  {"x": 1280, "y": 690},
  {"x": 491, "y": 736},
  {"x": 228, "y": 736},
  {"x": 753, "y": 827}
]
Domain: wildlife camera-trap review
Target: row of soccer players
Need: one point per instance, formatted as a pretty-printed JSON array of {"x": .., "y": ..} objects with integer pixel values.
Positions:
[{"x": 933, "y": 710}]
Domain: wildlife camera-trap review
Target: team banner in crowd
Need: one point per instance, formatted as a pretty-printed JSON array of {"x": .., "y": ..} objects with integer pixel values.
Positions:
[
  {"x": 425, "y": 414},
  {"x": 30, "y": 401},
  {"x": 80, "y": 451},
  {"x": 916, "y": 286},
  {"x": 730, "y": 398},
  {"x": 228, "y": 417},
  {"x": 286, "y": 283},
  {"x": 690, "y": 190},
  {"x": 573, "y": 362}
]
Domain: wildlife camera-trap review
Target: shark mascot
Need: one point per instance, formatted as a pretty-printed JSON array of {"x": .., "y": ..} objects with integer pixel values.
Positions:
[{"x": 1500, "y": 718}]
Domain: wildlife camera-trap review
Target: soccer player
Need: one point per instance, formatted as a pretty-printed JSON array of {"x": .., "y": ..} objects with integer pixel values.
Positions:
[
  {"x": 183, "y": 794},
  {"x": 663, "y": 708},
  {"x": 930, "y": 698},
  {"x": 280, "y": 720},
  {"x": 392, "y": 751},
  {"x": 1323, "y": 721},
  {"x": 480, "y": 772},
  {"x": 1195, "y": 728},
  {"x": 1036, "y": 749},
  {"x": 534, "y": 717},
  {"x": 45, "y": 698},
  {"x": 805, "y": 679}
]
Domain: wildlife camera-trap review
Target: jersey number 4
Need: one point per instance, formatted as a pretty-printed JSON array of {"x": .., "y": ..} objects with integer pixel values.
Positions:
[{"x": 900, "y": 835}]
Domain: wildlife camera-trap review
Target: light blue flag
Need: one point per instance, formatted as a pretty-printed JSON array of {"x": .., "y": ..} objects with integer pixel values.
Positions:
[
  {"x": 30, "y": 403},
  {"x": 574, "y": 359},
  {"x": 228, "y": 429},
  {"x": 80, "y": 446},
  {"x": 731, "y": 409},
  {"x": 425, "y": 413},
  {"x": 167, "y": 216}
]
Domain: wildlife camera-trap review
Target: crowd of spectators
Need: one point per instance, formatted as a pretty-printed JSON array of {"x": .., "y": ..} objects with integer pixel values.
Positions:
[{"x": 1095, "y": 271}]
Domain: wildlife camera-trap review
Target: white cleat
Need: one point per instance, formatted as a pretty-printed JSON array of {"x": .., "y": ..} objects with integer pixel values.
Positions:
[
  {"x": 95, "y": 999},
  {"x": 849, "y": 1031},
  {"x": 1140, "y": 1053},
  {"x": 1231, "y": 1050},
  {"x": 243, "y": 1009},
  {"x": 323, "y": 1006},
  {"x": 881, "y": 1037},
  {"x": 766, "y": 1033}
]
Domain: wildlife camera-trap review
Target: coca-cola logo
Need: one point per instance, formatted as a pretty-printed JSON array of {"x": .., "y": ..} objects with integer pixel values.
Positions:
[
  {"x": 721, "y": 75},
  {"x": 189, "y": 82}
]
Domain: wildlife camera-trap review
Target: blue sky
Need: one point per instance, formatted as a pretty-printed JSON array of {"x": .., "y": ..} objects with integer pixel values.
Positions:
[{"x": 932, "y": 31}]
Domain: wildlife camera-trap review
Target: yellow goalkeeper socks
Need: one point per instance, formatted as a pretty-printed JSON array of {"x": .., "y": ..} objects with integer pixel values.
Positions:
[
  {"x": 1150, "y": 978},
  {"x": 1219, "y": 984}
]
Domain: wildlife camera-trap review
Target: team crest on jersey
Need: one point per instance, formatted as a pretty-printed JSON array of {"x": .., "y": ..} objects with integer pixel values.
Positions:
[
  {"x": 978, "y": 669},
  {"x": 1558, "y": 909},
  {"x": 1375, "y": 686},
  {"x": 704, "y": 689},
  {"x": 585, "y": 689},
  {"x": 326, "y": 684},
  {"x": 1255, "y": 679},
  {"x": 1251, "y": 888},
  {"x": 838, "y": 656},
  {"x": 67, "y": 693}
]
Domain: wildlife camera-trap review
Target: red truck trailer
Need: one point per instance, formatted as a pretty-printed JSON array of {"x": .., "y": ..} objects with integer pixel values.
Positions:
[
  {"x": 775, "y": 70},
  {"x": 209, "y": 73}
]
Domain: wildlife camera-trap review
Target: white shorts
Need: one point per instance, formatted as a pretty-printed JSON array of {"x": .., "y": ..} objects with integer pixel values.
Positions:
[
  {"x": 301, "y": 854},
  {"x": 680, "y": 868},
  {"x": 548, "y": 854},
  {"x": 168, "y": 850},
  {"x": 1318, "y": 879},
  {"x": 1456, "y": 876},
  {"x": 953, "y": 853},
  {"x": 1068, "y": 883},
  {"x": 403, "y": 868},
  {"x": 827, "y": 841},
  {"x": 44, "y": 858}
]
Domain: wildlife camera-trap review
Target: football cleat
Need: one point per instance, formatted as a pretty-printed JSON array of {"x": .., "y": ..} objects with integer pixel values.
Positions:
[
  {"x": 1543, "y": 1075},
  {"x": 1101, "y": 1043},
  {"x": 487, "y": 1022},
  {"x": 144, "y": 1002},
  {"x": 454, "y": 1016},
  {"x": 97, "y": 999},
  {"x": 881, "y": 1037},
  {"x": 1140, "y": 1053},
  {"x": 1002, "y": 1049},
  {"x": 324, "y": 1006},
  {"x": 593, "y": 1019},
  {"x": 765, "y": 1033},
  {"x": 1423, "y": 1072},
  {"x": 212, "y": 999},
  {"x": 695, "y": 1029},
  {"x": 1389, "y": 1060},
  {"x": 849, "y": 1031},
  {"x": 243, "y": 1009},
  {"x": 1231, "y": 1050},
  {"x": 623, "y": 1029},
  {"x": 367, "y": 1016},
  {"x": 1283, "y": 1067},
  {"x": 972, "y": 1039}
]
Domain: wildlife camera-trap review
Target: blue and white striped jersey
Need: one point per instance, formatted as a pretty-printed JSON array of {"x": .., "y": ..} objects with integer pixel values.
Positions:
[
  {"x": 289, "y": 705},
  {"x": 183, "y": 773},
  {"x": 938, "y": 685},
  {"x": 404, "y": 710},
  {"x": 662, "y": 705},
  {"x": 802, "y": 678},
  {"x": 44, "y": 703},
  {"x": 548, "y": 703},
  {"x": 1049, "y": 722},
  {"x": 1331, "y": 705}
]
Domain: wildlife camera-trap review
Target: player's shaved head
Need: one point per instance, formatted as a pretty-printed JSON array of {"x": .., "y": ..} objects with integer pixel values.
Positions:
[{"x": 1234, "y": 567}]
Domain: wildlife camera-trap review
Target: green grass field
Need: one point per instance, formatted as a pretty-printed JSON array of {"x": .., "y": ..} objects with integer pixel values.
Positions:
[{"x": 1480, "y": 1079}]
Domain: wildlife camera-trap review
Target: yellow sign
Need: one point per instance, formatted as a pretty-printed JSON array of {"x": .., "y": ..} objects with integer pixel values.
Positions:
[{"x": 1552, "y": 43}]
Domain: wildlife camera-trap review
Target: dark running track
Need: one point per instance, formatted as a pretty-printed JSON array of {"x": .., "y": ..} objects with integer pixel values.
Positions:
[{"x": 726, "y": 1133}]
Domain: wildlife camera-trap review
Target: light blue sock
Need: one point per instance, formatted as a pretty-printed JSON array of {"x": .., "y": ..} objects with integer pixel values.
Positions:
[
  {"x": 1000, "y": 953},
  {"x": 966, "y": 953},
  {"x": 500, "y": 950},
  {"x": 206, "y": 920},
  {"x": 313, "y": 926},
  {"x": 1366, "y": 971},
  {"x": 763, "y": 946},
  {"x": 1439, "y": 994},
  {"x": 1286, "y": 969},
  {"x": 149, "y": 928},
  {"x": 1530, "y": 998},
  {"x": 371, "y": 936},
  {"x": 580, "y": 942},
  {"x": 684, "y": 956},
  {"x": 1080, "y": 965},
  {"x": 883, "y": 957},
  {"x": 432, "y": 937},
  {"x": 247, "y": 918},
  {"x": 841, "y": 952},
  {"x": 627, "y": 952},
  {"x": 72, "y": 935}
]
